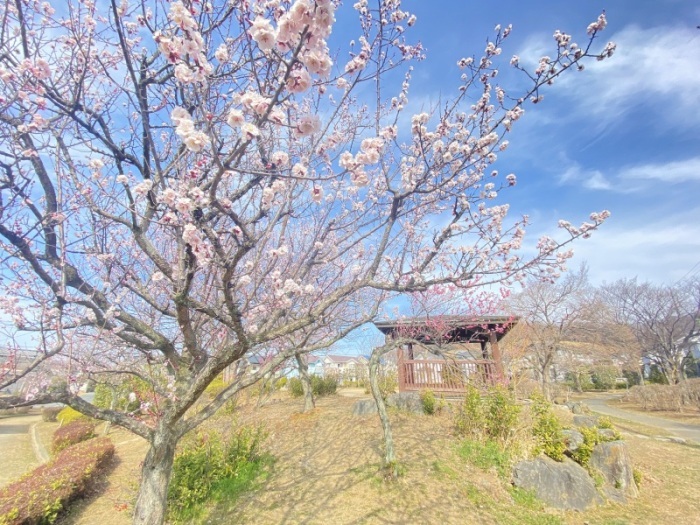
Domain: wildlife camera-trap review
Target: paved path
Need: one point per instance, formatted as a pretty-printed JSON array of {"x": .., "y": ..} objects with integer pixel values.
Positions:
[
  {"x": 17, "y": 455},
  {"x": 684, "y": 431}
]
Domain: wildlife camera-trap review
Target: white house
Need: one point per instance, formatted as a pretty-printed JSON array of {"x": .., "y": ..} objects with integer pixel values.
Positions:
[{"x": 346, "y": 367}]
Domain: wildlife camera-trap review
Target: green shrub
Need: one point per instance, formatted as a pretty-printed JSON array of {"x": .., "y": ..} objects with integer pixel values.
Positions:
[
  {"x": 591, "y": 437},
  {"x": 470, "y": 420},
  {"x": 547, "y": 430},
  {"x": 50, "y": 414},
  {"x": 216, "y": 386},
  {"x": 388, "y": 383},
  {"x": 71, "y": 433},
  {"x": 429, "y": 401},
  {"x": 42, "y": 494},
  {"x": 281, "y": 383},
  {"x": 603, "y": 377},
  {"x": 320, "y": 386},
  {"x": 120, "y": 394},
  {"x": 501, "y": 414},
  {"x": 296, "y": 389},
  {"x": 207, "y": 464},
  {"x": 324, "y": 386},
  {"x": 494, "y": 416},
  {"x": 68, "y": 414},
  {"x": 637, "y": 475}
]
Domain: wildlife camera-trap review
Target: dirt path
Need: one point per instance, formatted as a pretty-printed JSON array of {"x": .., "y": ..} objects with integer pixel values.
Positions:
[
  {"x": 16, "y": 452},
  {"x": 600, "y": 403}
]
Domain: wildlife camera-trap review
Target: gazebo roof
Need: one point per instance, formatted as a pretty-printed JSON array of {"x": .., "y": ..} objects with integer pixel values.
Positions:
[{"x": 453, "y": 328}]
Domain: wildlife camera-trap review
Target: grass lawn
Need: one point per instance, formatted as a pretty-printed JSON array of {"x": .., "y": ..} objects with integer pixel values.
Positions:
[{"x": 325, "y": 471}]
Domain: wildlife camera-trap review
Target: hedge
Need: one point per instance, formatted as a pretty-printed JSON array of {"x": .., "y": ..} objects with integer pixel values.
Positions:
[
  {"x": 74, "y": 432},
  {"x": 42, "y": 494}
]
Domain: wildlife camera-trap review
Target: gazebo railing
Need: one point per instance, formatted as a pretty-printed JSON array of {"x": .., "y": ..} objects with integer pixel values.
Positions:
[{"x": 444, "y": 375}]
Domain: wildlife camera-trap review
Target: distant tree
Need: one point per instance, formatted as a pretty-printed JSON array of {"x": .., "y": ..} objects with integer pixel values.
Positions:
[
  {"x": 665, "y": 320},
  {"x": 552, "y": 312}
]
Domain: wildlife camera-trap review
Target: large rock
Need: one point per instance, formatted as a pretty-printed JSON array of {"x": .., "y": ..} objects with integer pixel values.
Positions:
[
  {"x": 408, "y": 401},
  {"x": 578, "y": 407},
  {"x": 573, "y": 439},
  {"x": 364, "y": 407},
  {"x": 564, "y": 485},
  {"x": 585, "y": 421},
  {"x": 613, "y": 462}
]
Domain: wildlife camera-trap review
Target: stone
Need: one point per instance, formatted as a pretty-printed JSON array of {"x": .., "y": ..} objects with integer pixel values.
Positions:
[
  {"x": 573, "y": 439},
  {"x": 578, "y": 407},
  {"x": 585, "y": 421},
  {"x": 364, "y": 407},
  {"x": 608, "y": 434},
  {"x": 408, "y": 401},
  {"x": 564, "y": 485},
  {"x": 613, "y": 462}
]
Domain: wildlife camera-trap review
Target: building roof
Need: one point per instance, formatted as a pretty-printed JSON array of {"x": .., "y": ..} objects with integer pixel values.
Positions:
[
  {"x": 341, "y": 358},
  {"x": 453, "y": 328}
]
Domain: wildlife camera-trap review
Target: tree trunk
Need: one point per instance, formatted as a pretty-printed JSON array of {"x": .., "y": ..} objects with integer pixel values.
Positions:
[
  {"x": 152, "y": 500},
  {"x": 389, "y": 454},
  {"x": 309, "y": 403},
  {"x": 545, "y": 380}
]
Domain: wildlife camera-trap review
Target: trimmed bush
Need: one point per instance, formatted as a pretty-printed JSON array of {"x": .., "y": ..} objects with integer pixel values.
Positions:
[
  {"x": 50, "y": 414},
  {"x": 42, "y": 494},
  {"x": 74, "y": 432},
  {"x": 68, "y": 414}
]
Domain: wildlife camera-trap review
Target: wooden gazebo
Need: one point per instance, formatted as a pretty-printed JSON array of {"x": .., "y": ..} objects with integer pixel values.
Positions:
[{"x": 450, "y": 373}]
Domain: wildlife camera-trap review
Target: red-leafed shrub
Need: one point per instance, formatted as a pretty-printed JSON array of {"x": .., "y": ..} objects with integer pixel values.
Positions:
[
  {"x": 40, "y": 495},
  {"x": 74, "y": 432}
]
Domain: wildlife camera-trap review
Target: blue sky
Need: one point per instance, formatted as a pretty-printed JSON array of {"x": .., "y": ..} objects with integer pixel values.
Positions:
[{"x": 622, "y": 135}]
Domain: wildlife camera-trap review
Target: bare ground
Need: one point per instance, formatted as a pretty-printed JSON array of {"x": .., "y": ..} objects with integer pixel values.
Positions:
[{"x": 326, "y": 472}]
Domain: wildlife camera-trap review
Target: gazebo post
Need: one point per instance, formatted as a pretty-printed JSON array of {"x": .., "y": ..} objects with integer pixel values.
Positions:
[
  {"x": 401, "y": 369},
  {"x": 496, "y": 355}
]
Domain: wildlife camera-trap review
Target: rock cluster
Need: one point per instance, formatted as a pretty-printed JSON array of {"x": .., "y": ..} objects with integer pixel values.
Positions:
[{"x": 567, "y": 485}]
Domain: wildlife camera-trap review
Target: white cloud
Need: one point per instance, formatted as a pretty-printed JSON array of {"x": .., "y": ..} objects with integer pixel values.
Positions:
[
  {"x": 660, "y": 251},
  {"x": 687, "y": 170},
  {"x": 658, "y": 68},
  {"x": 591, "y": 179}
]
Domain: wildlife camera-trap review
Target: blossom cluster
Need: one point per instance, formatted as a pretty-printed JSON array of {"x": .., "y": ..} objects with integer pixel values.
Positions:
[
  {"x": 370, "y": 152},
  {"x": 187, "y": 52},
  {"x": 195, "y": 140},
  {"x": 307, "y": 24}
]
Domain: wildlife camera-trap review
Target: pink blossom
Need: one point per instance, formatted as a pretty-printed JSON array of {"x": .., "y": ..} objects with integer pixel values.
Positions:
[
  {"x": 307, "y": 125},
  {"x": 280, "y": 159},
  {"x": 298, "y": 81},
  {"x": 196, "y": 141},
  {"x": 168, "y": 197},
  {"x": 263, "y": 33},
  {"x": 250, "y": 131},
  {"x": 598, "y": 25},
  {"x": 221, "y": 54},
  {"x": 299, "y": 170},
  {"x": 235, "y": 118},
  {"x": 143, "y": 188},
  {"x": 317, "y": 194}
]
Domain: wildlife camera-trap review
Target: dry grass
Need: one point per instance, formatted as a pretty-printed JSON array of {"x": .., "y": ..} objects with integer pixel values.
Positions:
[{"x": 326, "y": 472}]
